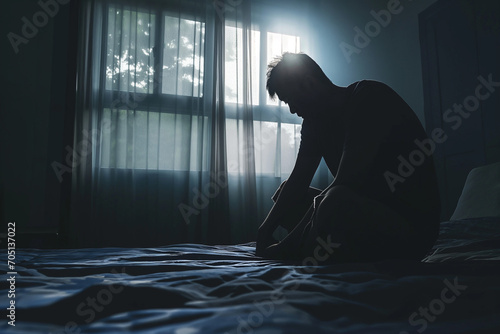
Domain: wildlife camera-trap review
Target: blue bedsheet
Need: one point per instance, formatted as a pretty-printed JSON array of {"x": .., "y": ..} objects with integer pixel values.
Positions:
[{"x": 190, "y": 288}]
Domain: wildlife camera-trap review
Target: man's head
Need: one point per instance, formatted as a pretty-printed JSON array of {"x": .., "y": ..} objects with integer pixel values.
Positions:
[{"x": 298, "y": 81}]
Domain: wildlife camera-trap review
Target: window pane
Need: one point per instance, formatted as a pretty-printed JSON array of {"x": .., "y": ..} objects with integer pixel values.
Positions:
[
  {"x": 183, "y": 57},
  {"x": 266, "y": 153},
  {"x": 265, "y": 141},
  {"x": 152, "y": 140},
  {"x": 234, "y": 75},
  {"x": 276, "y": 45},
  {"x": 233, "y": 147},
  {"x": 290, "y": 142},
  {"x": 129, "y": 64},
  {"x": 273, "y": 156}
]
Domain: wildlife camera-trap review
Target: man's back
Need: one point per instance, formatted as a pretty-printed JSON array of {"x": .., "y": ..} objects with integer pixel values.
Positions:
[{"x": 399, "y": 174}]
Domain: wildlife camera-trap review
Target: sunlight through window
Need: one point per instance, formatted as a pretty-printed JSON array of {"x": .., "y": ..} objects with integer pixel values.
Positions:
[
  {"x": 183, "y": 57},
  {"x": 234, "y": 65},
  {"x": 276, "y": 45}
]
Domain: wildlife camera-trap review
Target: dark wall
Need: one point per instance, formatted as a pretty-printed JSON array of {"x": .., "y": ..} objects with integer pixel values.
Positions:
[
  {"x": 32, "y": 114},
  {"x": 391, "y": 56},
  {"x": 461, "y": 48}
]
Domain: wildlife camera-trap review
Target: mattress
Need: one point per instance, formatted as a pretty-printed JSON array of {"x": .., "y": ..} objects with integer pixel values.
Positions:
[{"x": 192, "y": 288}]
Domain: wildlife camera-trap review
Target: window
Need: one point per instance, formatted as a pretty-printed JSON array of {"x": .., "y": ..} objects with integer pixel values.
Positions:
[
  {"x": 132, "y": 33},
  {"x": 233, "y": 75},
  {"x": 134, "y": 43},
  {"x": 277, "y": 132},
  {"x": 182, "y": 65},
  {"x": 154, "y": 63},
  {"x": 154, "y": 79},
  {"x": 276, "y": 45}
]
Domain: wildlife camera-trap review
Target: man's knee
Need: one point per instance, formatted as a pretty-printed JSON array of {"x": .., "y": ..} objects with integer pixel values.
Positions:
[
  {"x": 335, "y": 207},
  {"x": 342, "y": 192},
  {"x": 338, "y": 198}
]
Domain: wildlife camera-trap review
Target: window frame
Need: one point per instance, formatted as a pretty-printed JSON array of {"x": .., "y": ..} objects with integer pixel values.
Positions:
[
  {"x": 262, "y": 111},
  {"x": 155, "y": 101},
  {"x": 168, "y": 103},
  {"x": 160, "y": 102}
]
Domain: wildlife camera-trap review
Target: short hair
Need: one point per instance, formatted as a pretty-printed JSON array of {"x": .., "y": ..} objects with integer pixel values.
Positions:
[{"x": 294, "y": 66}]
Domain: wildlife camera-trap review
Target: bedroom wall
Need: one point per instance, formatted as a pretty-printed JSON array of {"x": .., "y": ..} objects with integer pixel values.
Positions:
[
  {"x": 461, "y": 44},
  {"x": 392, "y": 55},
  {"x": 31, "y": 118}
]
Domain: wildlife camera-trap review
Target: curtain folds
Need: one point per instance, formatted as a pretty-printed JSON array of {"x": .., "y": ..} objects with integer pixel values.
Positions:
[
  {"x": 242, "y": 182},
  {"x": 219, "y": 230},
  {"x": 175, "y": 140}
]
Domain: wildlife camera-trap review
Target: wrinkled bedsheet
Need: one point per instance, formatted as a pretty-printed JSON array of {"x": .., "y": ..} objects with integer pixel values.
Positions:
[{"x": 191, "y": 288}]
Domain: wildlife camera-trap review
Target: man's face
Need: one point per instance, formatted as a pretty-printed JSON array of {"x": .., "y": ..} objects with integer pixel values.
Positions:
[{"x": 298, "y": 101}]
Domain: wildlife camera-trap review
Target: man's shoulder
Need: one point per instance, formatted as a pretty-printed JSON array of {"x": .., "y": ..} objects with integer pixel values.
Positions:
[
  {"x": 368, "y": 86},
  {"x": 375, "y": 102},
  {"x": 374, "y": 94}
]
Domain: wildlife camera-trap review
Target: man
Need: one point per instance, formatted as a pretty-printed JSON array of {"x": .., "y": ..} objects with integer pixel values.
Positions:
[{"x": 364, "y": 132}]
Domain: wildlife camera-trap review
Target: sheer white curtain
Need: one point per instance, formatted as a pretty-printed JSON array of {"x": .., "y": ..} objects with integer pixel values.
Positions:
[
  {"x": 144, "y": 101},
  {"x": 175, "y": 138}
]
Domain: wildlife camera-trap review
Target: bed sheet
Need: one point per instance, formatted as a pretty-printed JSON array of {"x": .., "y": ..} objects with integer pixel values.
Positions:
[{"x": 192, "y": 288}]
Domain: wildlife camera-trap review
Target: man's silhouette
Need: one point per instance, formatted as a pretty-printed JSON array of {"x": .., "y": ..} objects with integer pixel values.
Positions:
[{"x": 365, "y": 133}]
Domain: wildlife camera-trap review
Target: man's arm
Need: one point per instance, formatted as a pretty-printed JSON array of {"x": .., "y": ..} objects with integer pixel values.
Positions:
[
  {"x": 293, "y": 192},
  {"x": 355, "y": 164},
  {"x": 368, "y": 125}
]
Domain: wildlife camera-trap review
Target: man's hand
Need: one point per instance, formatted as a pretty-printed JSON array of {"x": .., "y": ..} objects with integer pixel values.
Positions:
[
  {"x": 264, "y": 239},
  {"x": 279, "y": 251},
  {"x": 274, "y": 251}
]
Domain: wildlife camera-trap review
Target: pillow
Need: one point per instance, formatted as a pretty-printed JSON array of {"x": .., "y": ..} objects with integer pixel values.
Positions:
[
  {"x": 481, "y": 194},
  {"x": 467, "y": 240}
]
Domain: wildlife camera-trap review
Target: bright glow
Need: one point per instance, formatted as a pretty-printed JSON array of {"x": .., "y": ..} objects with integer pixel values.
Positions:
[
  {"x": 276, "y": 45},
  {"x": 183, "y": 57},
  {"x": 129, "y": 61},
  {"x": 234, "y": 65}
]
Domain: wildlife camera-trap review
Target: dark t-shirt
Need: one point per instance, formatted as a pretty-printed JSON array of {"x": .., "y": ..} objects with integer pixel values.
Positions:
[{"x": 376, "y": 119}]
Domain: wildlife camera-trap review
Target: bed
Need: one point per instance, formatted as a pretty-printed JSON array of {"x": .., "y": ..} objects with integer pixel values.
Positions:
[{"x": 192, "y": 288}]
